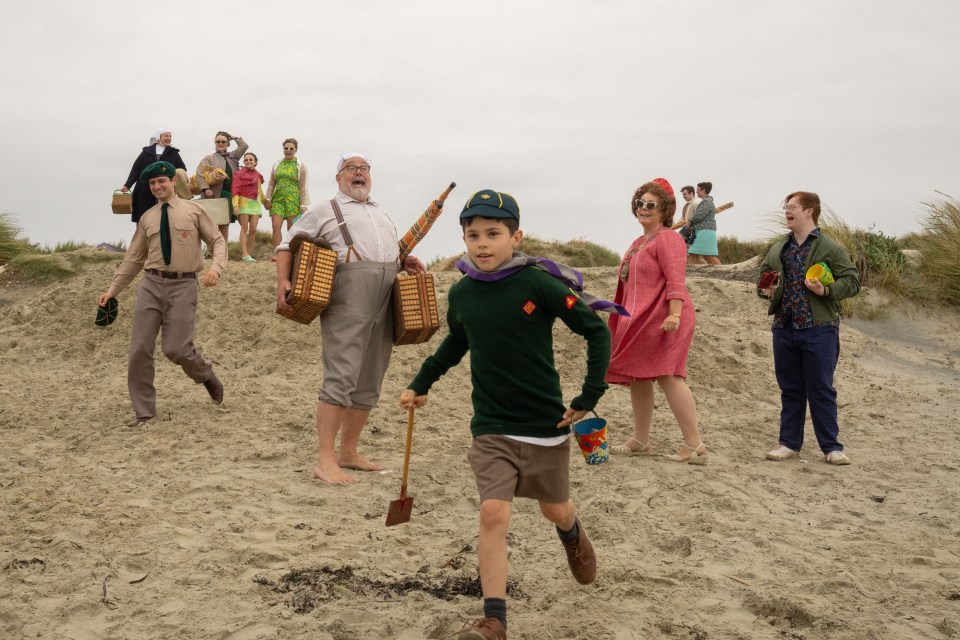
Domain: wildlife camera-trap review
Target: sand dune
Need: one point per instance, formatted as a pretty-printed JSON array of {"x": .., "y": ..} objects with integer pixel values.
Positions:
[{"x": 205, "y": 523}]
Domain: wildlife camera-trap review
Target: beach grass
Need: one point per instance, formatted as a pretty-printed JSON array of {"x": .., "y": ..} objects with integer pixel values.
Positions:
[
  {"x": 11, "y": 245},
  {"x": 939, "y": 247}
]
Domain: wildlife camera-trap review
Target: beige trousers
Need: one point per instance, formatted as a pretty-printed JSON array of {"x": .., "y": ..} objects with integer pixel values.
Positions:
[
  {"x": 357, "y": 334},
  {"x": 171, "y": 305}
]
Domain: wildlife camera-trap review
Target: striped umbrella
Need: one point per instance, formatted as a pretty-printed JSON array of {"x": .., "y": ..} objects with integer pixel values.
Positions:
[{"x": 423, "y": 224}]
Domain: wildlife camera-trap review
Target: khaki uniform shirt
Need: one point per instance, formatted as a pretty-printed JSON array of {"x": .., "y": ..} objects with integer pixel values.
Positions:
[{"x": 188, "y": 224}]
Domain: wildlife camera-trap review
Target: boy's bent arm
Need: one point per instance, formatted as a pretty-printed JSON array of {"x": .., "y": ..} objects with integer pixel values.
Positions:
[
  {"x": 584, "y": 321},
  {"x": 447, "y": 355}
]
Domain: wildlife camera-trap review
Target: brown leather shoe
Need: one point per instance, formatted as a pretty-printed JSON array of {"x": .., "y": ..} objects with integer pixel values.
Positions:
[
  {"x": 214, "y": 388},
  {"x": 485, "y": 629},
  {"x": 580, "y": 557}
]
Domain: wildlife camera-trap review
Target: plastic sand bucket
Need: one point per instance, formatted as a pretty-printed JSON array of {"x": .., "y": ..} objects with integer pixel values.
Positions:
[
  {"x": 591, "y": 435},
  {"x": 821, "y": 272}
]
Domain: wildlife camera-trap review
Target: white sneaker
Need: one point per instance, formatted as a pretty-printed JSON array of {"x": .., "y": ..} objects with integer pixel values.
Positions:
[
  {"x": 837, "y": 457},
  {"x": 782, "y": 453}
]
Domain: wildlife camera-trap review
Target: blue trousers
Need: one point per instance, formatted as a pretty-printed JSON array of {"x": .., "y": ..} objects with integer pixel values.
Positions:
[{"x": 805, "y": 360}]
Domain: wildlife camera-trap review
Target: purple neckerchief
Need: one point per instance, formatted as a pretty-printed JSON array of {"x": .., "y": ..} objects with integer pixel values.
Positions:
[{"x": 567, "y": 275}]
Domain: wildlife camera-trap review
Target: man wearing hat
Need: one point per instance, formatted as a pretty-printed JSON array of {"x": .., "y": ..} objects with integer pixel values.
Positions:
[
  {"x": 357, "y": 327},
  {"x": 166, "y": 245}
]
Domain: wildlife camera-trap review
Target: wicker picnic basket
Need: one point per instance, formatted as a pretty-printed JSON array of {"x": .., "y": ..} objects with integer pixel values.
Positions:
[
  {"x": 182, "y": 185},
  {"x": 415, "y": 315},
  {"x": 122, "y": 202},
  {"x": 314, "y": 266}
]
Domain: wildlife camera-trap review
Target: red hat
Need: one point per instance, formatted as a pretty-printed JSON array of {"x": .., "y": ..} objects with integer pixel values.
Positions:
[{"x": 666, "y": 186}]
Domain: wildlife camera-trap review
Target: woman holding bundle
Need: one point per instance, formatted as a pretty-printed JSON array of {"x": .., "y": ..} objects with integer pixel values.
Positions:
[
  {"x": 287, "y": 193},
  {"x": 653, "y": 342},
  {"x": 157, "y": 149},
  {"x": 228, "y": 161}
]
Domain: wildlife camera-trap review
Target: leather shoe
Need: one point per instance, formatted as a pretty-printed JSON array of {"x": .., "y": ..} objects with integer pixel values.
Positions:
[
  {"x": 214, "y": 388},
  {"x": 580, "y": 557},
  {"x": 483, "y": 629}
]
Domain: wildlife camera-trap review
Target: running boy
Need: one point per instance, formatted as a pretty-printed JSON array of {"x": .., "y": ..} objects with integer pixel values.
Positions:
[{"x": 503, "y": 314}]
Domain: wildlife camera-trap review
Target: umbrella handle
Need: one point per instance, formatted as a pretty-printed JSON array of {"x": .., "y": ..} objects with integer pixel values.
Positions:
[{"x": 406, "y": 455}]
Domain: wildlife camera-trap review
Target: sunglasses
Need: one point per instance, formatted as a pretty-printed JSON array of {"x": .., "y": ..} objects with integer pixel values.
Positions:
[
  {"x": 645, "y": 205},
  {"x": 289, "y": 148},
  {"x": 221, "y": 141}
]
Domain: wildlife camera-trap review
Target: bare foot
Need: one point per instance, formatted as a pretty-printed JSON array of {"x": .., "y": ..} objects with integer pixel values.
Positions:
[
  {"x": 331, "y": 474},
  {"x": 358, "y": 462}
]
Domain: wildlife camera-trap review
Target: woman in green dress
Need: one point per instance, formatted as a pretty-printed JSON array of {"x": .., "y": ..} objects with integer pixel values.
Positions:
[{"x": 287, "y": 194}]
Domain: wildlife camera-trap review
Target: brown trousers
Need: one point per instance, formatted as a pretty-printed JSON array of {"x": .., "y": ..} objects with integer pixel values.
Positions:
[{"x": 172, "y": 305}]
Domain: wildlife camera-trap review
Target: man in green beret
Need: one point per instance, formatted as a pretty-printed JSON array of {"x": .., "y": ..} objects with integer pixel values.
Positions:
[{"x": 166, "y": 245}]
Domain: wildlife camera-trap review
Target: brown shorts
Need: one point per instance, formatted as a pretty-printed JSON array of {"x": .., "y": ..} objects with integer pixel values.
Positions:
[{"x": 505, "y": 468}]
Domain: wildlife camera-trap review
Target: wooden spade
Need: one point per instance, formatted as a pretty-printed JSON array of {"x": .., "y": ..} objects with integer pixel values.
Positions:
[{"x": 400, "y": 509}]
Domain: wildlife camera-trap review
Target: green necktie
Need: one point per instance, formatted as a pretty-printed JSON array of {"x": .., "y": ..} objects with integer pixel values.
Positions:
[{"x": 165, "y": 233}]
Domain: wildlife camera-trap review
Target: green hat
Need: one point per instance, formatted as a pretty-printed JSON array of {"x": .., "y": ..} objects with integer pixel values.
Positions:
[
  {"x": 107, "y": 313},
  {"x": 158, "y": 169},
  {"x": 491, "y": 204}
]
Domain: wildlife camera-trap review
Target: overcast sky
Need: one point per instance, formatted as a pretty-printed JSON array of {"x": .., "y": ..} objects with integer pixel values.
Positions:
[{"x": 567, "y": 105}]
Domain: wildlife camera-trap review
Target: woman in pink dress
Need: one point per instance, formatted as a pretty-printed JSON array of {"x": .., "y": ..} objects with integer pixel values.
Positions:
[{"x": 653, "y": 343}]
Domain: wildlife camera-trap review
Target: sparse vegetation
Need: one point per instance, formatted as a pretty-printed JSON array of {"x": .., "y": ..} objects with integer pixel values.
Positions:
[
  {"x": 575, "y": 253},
  {"x": 44, "y": 267},
  {"x": 733, "y": 251},
  {"x": 262, "y": 247}
]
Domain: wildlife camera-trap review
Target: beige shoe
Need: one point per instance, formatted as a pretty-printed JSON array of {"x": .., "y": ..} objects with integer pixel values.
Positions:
[
  {"x": 698, "y": 454},
  {"x": 836, "y": 457},
  {"x": 782, "y": 453},
  {"x": 626, "y": 450}
]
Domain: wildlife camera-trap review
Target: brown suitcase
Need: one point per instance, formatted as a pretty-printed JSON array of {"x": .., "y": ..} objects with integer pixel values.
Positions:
[
  {"x": 415, "y": 315},
  {"x": 314, "y": 266}
]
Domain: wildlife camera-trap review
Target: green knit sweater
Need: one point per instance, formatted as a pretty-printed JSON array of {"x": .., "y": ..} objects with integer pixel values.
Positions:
[{"x": 507, "y": 326}]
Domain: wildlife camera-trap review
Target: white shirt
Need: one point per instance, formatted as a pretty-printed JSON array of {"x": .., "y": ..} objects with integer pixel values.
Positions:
[
  {"x": 690, "y": 207},
  {"x": 374, "y": 234}
]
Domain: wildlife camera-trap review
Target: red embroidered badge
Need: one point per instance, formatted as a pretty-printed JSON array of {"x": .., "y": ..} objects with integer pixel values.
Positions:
[
  {"x": 529, "y": 308},
  {"x": 571, "y": 300},
  {"x": 184, "y": 234}
]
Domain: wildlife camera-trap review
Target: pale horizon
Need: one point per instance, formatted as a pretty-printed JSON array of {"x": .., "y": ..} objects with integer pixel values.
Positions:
[{"x": 568, "y": 106}]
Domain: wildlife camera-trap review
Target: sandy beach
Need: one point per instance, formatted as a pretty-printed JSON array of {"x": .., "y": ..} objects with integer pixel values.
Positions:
[{"x": 206, "y": 522}]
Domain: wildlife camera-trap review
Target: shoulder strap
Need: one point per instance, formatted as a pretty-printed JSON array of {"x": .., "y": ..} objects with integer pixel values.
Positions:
[{"x": 344, "y": 231}]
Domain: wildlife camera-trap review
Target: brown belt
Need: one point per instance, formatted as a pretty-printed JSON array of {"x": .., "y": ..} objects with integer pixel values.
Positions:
[{"x": 172, "y": 275}]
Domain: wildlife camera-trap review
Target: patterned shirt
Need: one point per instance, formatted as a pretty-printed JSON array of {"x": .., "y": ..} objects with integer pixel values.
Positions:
[{"x": 794, "y": 311}]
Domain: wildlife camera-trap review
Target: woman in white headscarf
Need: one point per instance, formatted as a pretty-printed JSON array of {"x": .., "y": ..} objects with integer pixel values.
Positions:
[{"x": 158, "y": 149}]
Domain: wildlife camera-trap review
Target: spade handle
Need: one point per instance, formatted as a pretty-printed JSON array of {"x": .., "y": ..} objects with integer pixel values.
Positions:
[{"x": 406, "y": 455}]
